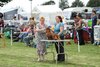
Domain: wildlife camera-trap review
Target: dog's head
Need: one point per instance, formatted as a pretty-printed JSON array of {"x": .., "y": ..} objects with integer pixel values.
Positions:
[
  {"x": 48, "y": 30},
  {"x": 49, "y": 34}
]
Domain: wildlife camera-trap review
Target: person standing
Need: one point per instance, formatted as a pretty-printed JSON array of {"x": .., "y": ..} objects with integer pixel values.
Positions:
[
  {"x": 94, "y": 22},
  {"x": 58, "y": 29},
  {"x": 78, "y": 27},
  {"x": 40, "y": 34}
]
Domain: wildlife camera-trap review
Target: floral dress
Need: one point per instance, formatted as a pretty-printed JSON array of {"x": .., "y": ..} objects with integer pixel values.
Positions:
[{"x": 41, "y": 35}]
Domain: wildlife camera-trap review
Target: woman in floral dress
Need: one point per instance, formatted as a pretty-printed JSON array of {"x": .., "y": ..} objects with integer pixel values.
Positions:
[{"x": 40, "y": 34}]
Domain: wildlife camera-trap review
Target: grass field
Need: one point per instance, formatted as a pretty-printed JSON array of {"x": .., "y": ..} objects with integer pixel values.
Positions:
[{"x": 18, "y": 55}]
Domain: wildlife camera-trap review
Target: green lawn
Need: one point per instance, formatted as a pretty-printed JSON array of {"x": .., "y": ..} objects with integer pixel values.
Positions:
[{"x": 18, "y": 55}]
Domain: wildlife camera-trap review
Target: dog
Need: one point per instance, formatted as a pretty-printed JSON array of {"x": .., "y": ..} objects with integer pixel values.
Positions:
[
  {"x": 51, "y": 36},
  {"x": 56, "y": 37}
]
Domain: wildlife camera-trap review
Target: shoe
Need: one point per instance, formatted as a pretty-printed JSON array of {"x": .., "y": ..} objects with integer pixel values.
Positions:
[{"x": 39, "y": 60}]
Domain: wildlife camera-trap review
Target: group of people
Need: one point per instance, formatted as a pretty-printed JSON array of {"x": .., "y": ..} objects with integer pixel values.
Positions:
[
  {"x": 38, "y": 31},
  {"x": 26, "y": 32},
  {"x": 41, "y": 34}
]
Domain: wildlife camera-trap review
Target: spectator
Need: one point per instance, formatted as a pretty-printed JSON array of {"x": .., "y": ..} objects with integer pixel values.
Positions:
[
  {"x": 32, "y": 24},
  {"x": 30, "y": 37},
  {"x": 26, "y": 30},
  {"x": 94, "y": 22}
]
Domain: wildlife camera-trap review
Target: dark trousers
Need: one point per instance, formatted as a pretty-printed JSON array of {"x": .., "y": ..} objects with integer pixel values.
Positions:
[
  {"x": 92, "y": 35},
  {"x": 61, "y": 57},
  {"x": 80, "y": 36}
]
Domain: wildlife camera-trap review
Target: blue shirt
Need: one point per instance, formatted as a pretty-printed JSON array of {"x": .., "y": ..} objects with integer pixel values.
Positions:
[{"x": 57, "y": 27}]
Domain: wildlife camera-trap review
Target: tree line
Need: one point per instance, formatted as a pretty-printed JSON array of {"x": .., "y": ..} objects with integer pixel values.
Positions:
[{"x": 64, "y": 3}]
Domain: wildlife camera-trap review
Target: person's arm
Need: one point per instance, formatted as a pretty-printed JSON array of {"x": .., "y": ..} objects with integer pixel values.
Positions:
[
  {"x": 61, "y": 29},
  {"x": 75, "y": 25},
  {"x": 29, "y": 29},
  {"x": 39, "y": 30}
]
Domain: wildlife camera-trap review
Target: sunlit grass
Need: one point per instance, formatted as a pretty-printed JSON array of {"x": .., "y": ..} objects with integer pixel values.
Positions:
[{"x": 18, "y": 55}]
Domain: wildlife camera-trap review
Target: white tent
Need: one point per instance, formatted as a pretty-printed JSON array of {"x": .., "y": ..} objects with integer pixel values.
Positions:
[
  {"x": 16, "y": 4},
  {"x": 48, "y": 11},
  {"x": 78, "y": 9},
  {"x": 67, "y": 12},
  {"x": 23, "y": 6}
]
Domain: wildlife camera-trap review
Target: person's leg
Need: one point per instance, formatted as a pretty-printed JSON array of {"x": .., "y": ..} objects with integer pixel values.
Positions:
[
  {"x": 61, "y": 56},
  {"x": 26, "y": 41},
  {"x": 80, "y": 37},
  {"x": 92, "y": 36},
  {"x": 23, "y": 36},
  {"x": 41, "y": 50},
  {"x": 56, "y": 46},
  {"x": 44, "y": 51},
  {"x": 38, "y": 52}
]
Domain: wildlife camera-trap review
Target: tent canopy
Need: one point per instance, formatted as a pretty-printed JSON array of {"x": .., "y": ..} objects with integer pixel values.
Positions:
[
  {"x": 24, "y": 4},
  {"x": 78, "y": 9},
  {"x": 16, "y": 4},
  {"x": 47, "y": 9}
]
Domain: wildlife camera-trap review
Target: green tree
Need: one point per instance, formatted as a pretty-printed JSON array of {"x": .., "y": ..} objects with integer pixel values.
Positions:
[
  {"x": 63, "y": 4},
  {"x": 93, "y": 3},
  {"x": 49, "y": 3},
  {"x": 2, "y": 2},
  {"x": 77, "y": 3}
]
